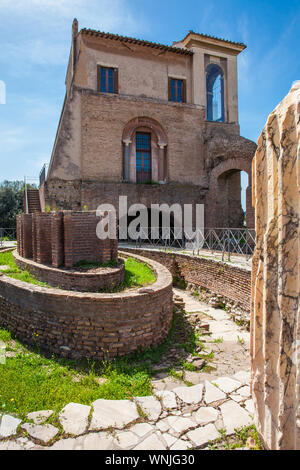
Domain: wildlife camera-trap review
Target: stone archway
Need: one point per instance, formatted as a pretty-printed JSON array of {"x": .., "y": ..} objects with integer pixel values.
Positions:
[
  {"x": 159, "y": 144},
  {"x": 223, "y": 206}
]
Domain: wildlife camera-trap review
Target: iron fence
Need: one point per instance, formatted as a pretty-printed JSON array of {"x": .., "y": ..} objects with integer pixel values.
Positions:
[
  {"x": 239, "y": 241},
  {"x": 42, "y": 176},
  {"x": 7, "y": 234}
]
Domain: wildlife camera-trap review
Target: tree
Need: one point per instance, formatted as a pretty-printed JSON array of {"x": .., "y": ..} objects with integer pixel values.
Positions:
[{"x": 11, "y": 202}]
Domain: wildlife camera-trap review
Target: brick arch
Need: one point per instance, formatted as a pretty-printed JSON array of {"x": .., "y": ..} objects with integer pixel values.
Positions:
[
  {"x": 144, "y": 121},
  {"x": 221, "y": 173}
]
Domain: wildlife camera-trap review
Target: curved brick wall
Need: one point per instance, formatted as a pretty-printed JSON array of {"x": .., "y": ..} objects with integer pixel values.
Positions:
[
  {"x": 76, "y": 324},
  {"x": 232, "y": 282},
  {"x": 72, "y": 279}
]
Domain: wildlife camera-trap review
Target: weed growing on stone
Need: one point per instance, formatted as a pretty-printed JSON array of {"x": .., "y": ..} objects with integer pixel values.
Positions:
[
  {"x": 246, "y": 437},
  {"x": 218, "y": 340}
]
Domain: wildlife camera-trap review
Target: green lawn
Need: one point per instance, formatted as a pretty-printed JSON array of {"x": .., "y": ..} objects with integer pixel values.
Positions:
[
  {"x": 30, "y": 381},
  {"x": 7, "y": 259},
  {"x": 137, "y": 273}
]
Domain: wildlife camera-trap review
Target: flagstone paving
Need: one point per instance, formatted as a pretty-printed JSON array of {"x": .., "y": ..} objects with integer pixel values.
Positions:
[
  {"x": 120, "y": 426},
  {"x": 177, "y": 417}
]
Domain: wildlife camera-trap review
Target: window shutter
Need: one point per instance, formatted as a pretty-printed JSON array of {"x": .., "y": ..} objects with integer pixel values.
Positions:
[
  {"x": 116, "y": 81},
  {"x": 184, "y": 91},
  {"x": 99, "y": 78},
  {"x": 169, "y": 89}
]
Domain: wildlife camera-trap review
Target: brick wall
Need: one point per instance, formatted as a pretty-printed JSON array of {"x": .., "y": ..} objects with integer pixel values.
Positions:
[
  {"x": 42, "y": 235},
  {"x": 195, "y": 150},
  {"x": 72, "y": 279},
  {"x": 232, "y": 282},
  {"x": 88, "y": 325},
  {"x": 24, "y": 235},
  {"x": 63, "y": 238},
  {"x": 57, "y": 238}
]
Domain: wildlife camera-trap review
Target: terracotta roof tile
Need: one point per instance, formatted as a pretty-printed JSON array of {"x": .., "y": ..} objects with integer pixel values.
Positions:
[
  {"x": 153, "y": 45},
  {"x": 215, "y": 37}
]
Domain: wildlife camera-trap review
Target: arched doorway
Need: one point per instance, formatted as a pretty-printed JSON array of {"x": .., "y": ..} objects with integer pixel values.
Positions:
[
  {"x": 225, "y": 207},
  {"x": 229, "y": 202}
]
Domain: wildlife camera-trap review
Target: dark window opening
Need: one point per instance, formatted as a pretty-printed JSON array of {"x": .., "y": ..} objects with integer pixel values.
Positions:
[
  {"x": 215, "y": 93},
  {"x": 143, "y": 157}
]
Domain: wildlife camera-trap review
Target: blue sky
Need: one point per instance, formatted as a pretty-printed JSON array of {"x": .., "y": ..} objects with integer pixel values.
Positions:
[{"x": 34, "y": 48}]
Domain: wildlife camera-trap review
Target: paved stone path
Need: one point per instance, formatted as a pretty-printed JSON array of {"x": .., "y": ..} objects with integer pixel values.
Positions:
[
  {"x": 177, "y": 417},
  {"x": 229, "y": 343},
  {"x": 185, "y": 418}
]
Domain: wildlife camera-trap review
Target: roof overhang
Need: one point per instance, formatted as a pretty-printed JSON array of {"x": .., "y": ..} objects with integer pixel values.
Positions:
[
  {"x": 134, "y": 41},
  {"x": 196, "y": 40}
]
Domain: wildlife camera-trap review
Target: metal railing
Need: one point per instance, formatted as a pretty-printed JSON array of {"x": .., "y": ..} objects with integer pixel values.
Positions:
[
  {"x": 28, "y": 180},
  {"x": 238, "y": 241},
  {"x": 42, "y": 176},
  {"x": 7, "y": 234}
]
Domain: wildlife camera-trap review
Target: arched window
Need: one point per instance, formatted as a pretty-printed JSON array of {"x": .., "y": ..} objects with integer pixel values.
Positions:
[
  {"x": 215, "y": 93},
  {"x": 144, "y": 151}
]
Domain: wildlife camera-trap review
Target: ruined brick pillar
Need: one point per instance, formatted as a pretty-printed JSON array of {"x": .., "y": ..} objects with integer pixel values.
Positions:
[
  {"x": 57, "y": 239},
  {"x": 275, "y": 329},
  {"x": 42, "y": 249},
  {"x": 24, "y": 235}
]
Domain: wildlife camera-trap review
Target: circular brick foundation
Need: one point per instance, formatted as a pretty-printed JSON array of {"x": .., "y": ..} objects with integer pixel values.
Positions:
[
  {"x": 72, "y": 279},
  {"x": 94, "y": 325}
]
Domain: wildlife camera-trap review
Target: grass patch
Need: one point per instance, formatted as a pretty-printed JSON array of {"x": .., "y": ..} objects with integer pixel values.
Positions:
[
  {"x": 219, "y": 340},
  {"x": 138, "y": 273},
  {"x": 13, "y": 271},
  {"x": 30, "y": 381}
]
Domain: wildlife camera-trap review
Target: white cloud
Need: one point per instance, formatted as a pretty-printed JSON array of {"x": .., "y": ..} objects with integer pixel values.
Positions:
[
  {"x": 42, "y": 28},
  {"x": 103, "y": 14}
]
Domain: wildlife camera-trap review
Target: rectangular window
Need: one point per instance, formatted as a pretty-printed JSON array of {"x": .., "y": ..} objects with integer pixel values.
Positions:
[
  {"x": 107, "y": 79},
  {"x": 177, "y": 90}
]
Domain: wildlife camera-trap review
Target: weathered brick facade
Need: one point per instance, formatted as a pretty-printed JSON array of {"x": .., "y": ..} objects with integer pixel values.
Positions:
[{"x": 193, "y": 160}]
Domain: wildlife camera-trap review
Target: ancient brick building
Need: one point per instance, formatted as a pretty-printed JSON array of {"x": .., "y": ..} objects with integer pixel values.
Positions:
[{"x": 138, "y": 112}]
